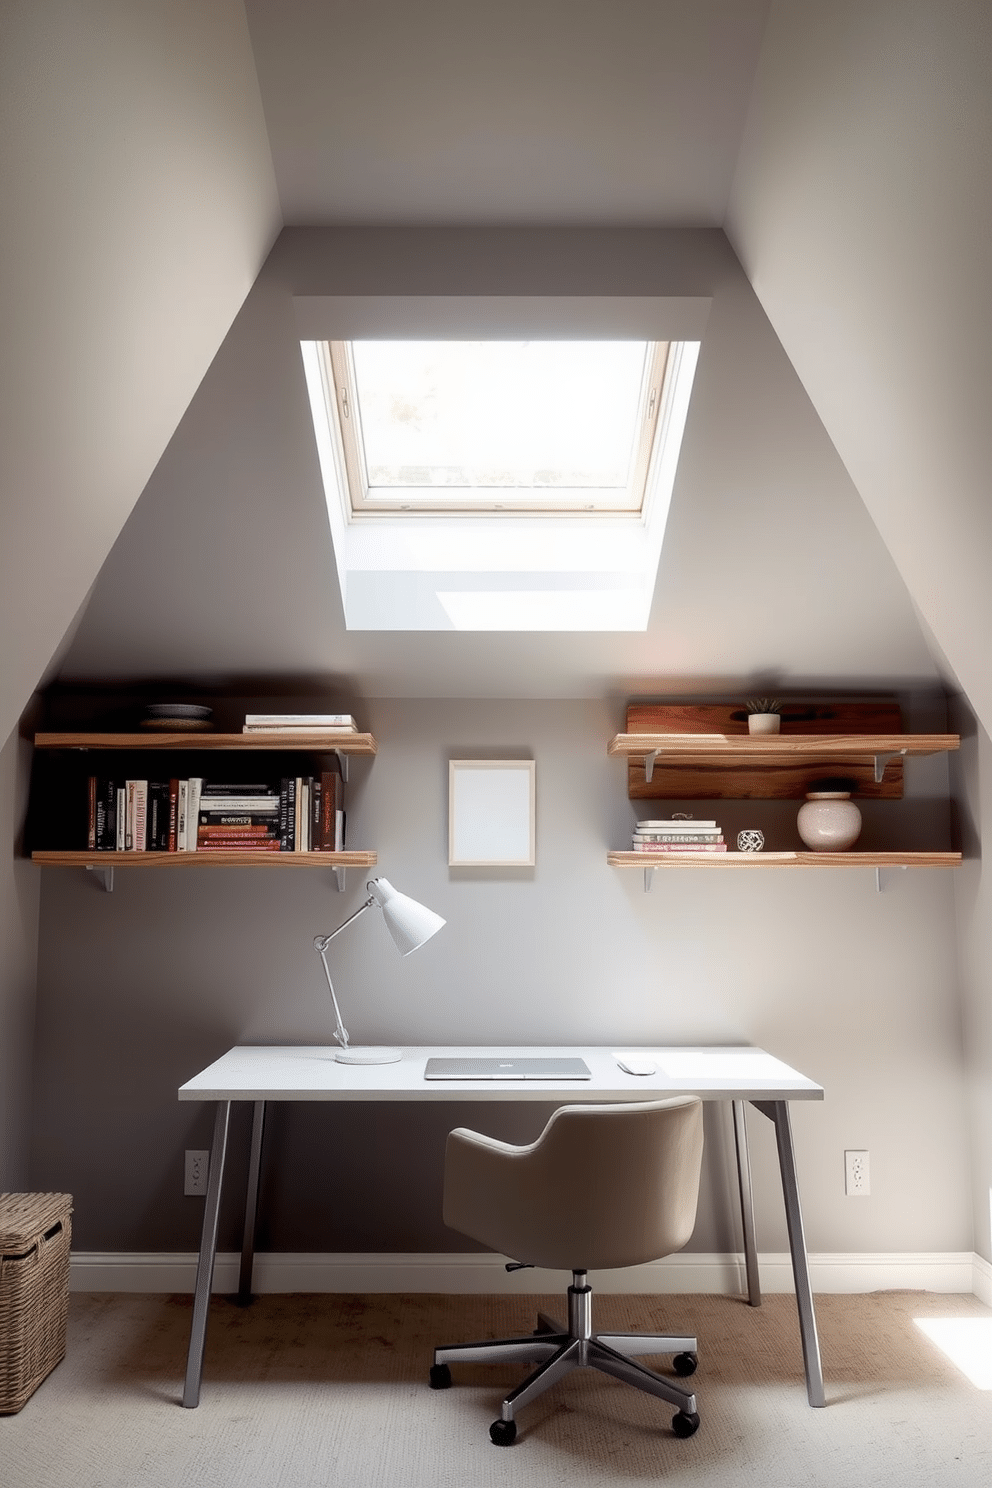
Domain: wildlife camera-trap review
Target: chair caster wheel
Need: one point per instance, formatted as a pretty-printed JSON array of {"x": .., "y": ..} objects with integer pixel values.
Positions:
[
  {"x": 504, "y": 1433},
  {"x": 685, "y": 1364},
  {"x": 685, "y": 1423},
  {"x": 440, "y": 1377}
]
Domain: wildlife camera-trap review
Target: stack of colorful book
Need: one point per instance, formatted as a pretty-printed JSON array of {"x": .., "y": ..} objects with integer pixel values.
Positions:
[{"x": 678, "y": 835}]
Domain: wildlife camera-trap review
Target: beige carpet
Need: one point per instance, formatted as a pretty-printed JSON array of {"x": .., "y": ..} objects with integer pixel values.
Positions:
[{"x": 319, "y": 1390}]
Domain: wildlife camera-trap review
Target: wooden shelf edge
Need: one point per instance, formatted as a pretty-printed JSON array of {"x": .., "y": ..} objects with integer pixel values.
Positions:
[
  {"x": 771, "y": 747},
  {"x": 212, "y": 859},
  {"x": 312, "y": 743},
  {"x": 785, "y": 860}
]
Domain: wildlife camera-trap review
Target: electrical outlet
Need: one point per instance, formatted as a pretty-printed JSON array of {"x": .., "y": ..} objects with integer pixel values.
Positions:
[
  {"x": 197, "y": 1165},
  {"x": 857, "y": 1178}
]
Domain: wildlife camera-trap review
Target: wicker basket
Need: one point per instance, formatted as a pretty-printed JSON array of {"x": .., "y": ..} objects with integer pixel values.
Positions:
[{"x": 35, "y": 1235}]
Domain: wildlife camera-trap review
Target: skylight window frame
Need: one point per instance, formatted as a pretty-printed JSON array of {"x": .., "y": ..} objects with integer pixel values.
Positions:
[{"x": 344, "y": 410}]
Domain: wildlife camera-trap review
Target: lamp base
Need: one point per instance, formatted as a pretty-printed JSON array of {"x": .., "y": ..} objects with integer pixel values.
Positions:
[{"x": 368, "y": 1056}]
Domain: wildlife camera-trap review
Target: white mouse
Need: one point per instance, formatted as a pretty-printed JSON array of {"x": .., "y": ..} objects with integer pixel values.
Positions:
[{"x": 637, "y": 1064}]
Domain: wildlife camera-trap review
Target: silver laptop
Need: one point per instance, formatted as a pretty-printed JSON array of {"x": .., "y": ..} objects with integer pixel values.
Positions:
[{"x": 532, "y": 1067}]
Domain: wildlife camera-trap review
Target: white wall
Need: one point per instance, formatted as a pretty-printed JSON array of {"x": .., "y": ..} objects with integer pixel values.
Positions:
[{"x": 862, "y": 216}]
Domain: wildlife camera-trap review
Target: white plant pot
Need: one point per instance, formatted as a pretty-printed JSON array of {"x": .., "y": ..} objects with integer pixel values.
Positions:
[
  {"x": 829, "y": 821},
  {"x": 763, "y": 723}
]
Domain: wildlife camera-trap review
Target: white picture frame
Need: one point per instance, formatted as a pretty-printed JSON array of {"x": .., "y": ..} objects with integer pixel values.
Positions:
[{"x": 491, "y": 813}]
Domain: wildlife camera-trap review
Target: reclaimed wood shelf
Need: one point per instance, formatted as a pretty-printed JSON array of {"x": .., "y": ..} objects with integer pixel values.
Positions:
[
  {"x": 703, "y": 751},
  {"x": 212, "y": 858},
  {"x": 764, "y": 859},
  {"x": 195, "y": 739},
  {"x": 680, "y": 766},
  {"x": 648, "y": 863}
]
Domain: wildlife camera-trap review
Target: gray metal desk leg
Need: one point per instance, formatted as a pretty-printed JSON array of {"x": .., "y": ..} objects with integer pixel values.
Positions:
[
  {"x": 747, "y": 1205},
  {"x": 208, "y": 1253},
  {"x": 251, "y": 1204},
  {"x": 778, "y": 1112}
]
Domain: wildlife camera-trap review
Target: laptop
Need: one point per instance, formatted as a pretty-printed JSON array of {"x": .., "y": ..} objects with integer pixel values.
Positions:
[{"x": 532, "y": 1067}]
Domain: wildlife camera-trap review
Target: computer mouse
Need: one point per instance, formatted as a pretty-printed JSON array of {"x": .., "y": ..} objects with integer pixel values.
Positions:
[{"x": 637, "y": 1064}]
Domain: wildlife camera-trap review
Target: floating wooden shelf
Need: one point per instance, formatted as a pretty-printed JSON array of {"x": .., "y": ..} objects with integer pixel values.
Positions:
[
  {"x": 213, "y": 858},
  {"x": 199, "y": 740},
  {"x": 785, "y": 860},
  {"x": 777, "y": 749},
  {"x": 690, "y": 751},
  {"x": 681, "y": 766},
  {"x": 311, "y": 743}
]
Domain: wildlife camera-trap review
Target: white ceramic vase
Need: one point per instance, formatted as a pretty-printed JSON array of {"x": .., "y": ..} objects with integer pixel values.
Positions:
[
  {"x": 829, "y": 821},
  {"x": 763, "y": 723}
]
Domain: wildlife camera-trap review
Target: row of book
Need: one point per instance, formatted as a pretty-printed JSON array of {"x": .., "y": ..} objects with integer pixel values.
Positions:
[
  {"x": 299, "y": 723},
  {"x": 293, "y": 814},
  {"x": 678, "y": 835}
]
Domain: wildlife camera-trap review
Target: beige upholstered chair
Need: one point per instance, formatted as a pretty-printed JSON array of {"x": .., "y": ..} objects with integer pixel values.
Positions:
[{"x": 602, "y": 1186}]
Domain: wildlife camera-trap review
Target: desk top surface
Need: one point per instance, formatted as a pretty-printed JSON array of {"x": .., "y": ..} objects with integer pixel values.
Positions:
[{"x": 309, "y": 1072}]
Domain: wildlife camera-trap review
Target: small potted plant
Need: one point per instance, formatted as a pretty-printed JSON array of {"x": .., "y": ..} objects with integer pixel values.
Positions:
[{"x": 764, "y": 716}]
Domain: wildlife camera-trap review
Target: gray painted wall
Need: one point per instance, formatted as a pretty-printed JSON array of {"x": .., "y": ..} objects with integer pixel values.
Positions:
[
  {"x": 139, "y": 203},
  {"x": 20, "y": 891},
  {"x": 861, "y": 215},
  {"x": 771, "y": 569},
  {"x": 140, "y": 988}
]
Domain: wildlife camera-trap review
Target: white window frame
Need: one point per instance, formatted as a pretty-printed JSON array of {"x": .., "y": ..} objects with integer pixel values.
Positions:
[{"x": 338, "y": 375}]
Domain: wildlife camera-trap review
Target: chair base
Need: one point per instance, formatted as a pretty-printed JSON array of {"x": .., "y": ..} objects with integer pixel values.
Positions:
[{"x": 557, "y": 1350}]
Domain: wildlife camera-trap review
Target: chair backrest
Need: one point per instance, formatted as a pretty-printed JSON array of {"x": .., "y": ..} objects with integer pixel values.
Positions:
[{"x": 603, "y": 1186}]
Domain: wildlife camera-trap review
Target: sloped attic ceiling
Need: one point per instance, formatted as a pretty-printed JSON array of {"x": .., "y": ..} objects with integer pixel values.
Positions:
[
  {"x": 863, "y": 217},
  {"x": 771, "y": 569}
]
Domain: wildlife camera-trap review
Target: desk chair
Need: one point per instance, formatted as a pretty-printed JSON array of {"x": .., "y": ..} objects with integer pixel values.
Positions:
[{"x": 603, "y": 1186}]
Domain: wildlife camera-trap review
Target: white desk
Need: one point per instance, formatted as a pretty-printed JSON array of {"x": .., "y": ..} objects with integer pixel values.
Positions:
[{"x": 309, "y": 1073}]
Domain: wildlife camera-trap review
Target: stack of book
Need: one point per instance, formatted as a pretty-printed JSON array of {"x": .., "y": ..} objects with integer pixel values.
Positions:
[
  {"x": 294, "y": 814},
  {"x": 299, "y": 723},
  {"x": 678, "y": 836},
  {"x": 141, "y": 815},
  {"x": 239, "y": 818}
]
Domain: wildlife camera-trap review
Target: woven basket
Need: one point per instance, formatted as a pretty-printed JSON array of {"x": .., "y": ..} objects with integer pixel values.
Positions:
[{"x": 35, "y": 1236}]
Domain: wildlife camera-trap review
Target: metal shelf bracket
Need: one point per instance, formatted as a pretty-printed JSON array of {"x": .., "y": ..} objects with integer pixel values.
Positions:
[
  {"x": 649, "y": 874},
  {"x": 649, "y": 760},
  {"x": 106, "y": 876},
  {"x": 881, "y": 881},
  {"x": 881, "y": 760},
  {"x": 340, "y": 878}
]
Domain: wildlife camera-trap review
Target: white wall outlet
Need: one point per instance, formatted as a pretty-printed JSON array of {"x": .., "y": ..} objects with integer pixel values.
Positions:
[
  {"x": 197, "y": 1167},
  {"x": 857, "y": 1178}
]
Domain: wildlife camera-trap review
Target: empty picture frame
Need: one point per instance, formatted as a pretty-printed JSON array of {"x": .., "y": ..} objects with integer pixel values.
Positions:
[{"x": 491, "y": 813}]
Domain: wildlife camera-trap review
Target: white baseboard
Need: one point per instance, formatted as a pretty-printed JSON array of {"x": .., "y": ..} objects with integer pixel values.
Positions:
[
  {"x": 689, "y": 1271},
  {"x": 983, "y": 1281}
]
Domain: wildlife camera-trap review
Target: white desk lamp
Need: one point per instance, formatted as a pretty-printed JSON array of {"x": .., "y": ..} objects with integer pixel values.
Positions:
[{"x": 410, "y": 924}]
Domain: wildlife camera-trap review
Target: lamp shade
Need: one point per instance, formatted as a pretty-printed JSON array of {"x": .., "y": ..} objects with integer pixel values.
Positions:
[{"x": 409, "y": 923}]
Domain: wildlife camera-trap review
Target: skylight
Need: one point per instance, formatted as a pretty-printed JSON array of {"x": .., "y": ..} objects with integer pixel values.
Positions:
[
  {"x": 498, "y": 465},
  {"x": 495, "y": 426}
]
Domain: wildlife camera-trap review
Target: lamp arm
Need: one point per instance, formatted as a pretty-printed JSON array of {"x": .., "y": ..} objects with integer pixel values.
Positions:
[{"x": 320, "y": 944}]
